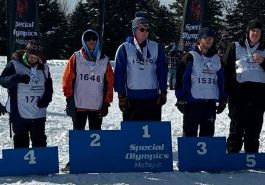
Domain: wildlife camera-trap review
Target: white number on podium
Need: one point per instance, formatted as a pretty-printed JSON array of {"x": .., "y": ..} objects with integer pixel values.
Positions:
[
  {"x": 30, "y": 156},
  {"x": 95, "y": 141},
  {"x": 251, "y": 162},
  {"x": 146, "y": 134},
  {"x": 202, "y": 148}
]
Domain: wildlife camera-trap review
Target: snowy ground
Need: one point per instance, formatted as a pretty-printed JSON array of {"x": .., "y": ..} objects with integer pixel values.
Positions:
[{"x": 58, "y": 124}]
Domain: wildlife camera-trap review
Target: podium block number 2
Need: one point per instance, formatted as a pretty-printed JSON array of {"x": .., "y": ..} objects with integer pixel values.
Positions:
[
  {"x": 30, "y": 156},
  {"x": 95, "y": 140},
  {"x": 146, "y": 133},
  {"x": 251, "y": 161},
  {"x": 202, "y": 148}
]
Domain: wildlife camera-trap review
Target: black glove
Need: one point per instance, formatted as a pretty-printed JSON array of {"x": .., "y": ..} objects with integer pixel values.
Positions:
[
  {"x": 162, "y": 99},
  {"x": 123, "y": 102},
  {"x": 104, "y": 110},
  {"x": 23, "y": 78},
  {"x": 181, "y": 105},
  {"x": 221, "y": 107},
  {"x": 70, "y": 107},
  {"x": 43, "y": 102},
  {"x": 47, "y": 96},
  {"x": 2, "y": 109}
]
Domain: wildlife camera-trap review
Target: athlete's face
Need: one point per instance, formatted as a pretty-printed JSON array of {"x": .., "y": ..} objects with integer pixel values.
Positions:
[
  {"x": 254, "y": 35},
  {"x": 142, "y": 33},
  {"x": 206, "y": 42},
  {"x": 33, "y": 59}
]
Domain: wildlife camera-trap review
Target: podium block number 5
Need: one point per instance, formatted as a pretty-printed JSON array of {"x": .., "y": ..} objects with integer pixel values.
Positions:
[
  {"x": 30, "y": 156},
  {"x": 251, "y": 162},
  {"x": 146, "y": 133},
  {"x": 95, "y": 140},
  {"x": 202, "y": 149}
]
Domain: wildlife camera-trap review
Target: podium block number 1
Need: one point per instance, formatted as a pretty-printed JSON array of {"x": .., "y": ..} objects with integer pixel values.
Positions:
[
  {"x": 202, "y": 148},
  {"x": 95, "y": 140},
  {"x": 146, "y": 133},
  {"x": 30, "y": 156}
]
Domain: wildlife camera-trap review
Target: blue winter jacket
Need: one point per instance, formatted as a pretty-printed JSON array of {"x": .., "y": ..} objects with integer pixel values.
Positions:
[{"x": 120, "y": 72}]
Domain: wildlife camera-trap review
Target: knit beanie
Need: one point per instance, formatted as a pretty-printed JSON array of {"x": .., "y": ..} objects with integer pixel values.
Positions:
[
  {"x": 140, "y": 19},
  {"x": 205, "y": 32},
  {"x": 34, "y": 47}
]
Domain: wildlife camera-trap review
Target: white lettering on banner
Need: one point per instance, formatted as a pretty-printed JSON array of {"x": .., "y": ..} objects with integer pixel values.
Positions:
[
  {"x": 24, "y": 24},
  {"x": 24, "y": 33},
  {"x": 188, "y": 36},
  {"x": 154, "y": 147},
  {"x": 147, "y": 165},
  {"x": 189, "y": 27}
]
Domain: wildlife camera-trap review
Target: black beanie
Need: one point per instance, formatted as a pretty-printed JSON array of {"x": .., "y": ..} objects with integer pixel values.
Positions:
[
  {"x": 34, "y": 47},
  {"x": 90, "y": 35},
  {"x": 254, "y": 24}
]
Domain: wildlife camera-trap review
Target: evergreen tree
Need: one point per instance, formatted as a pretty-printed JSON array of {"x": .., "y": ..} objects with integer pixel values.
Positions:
[
  {"x": 3, "y": 26},
  {"x": 85, "y": 16},
  {"x": 245, "y": 11},
  {"x": 53, "y": 26}
]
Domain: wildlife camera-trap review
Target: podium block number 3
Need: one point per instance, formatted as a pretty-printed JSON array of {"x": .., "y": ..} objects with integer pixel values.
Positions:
[
  {"x": 202, "y": 149},
  {"x": 30, "y": 156},
  {"x": 95, "y": 140},
  {"x": 146, "y": 133},
  {"x": 251, "y": 162}
]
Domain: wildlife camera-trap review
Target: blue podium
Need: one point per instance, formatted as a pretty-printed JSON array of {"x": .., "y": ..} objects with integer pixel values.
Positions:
[
  {"x": 29, "y": 161},
  {"x": 137, "y": 147},
  {"x": 209, "y": 154}
]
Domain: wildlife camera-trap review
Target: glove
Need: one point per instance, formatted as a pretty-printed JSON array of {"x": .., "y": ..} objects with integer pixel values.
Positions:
[
  {"x": 162, "y": 99},
  {"x": 123, "y": 102},
  {"x": 2, "y": 109},
  {"x": 23, "y": 78},
  {"x": 181, "y": 105},
  {"x": 43, "y": 102},
  {"x": 47, "y": 96},
  {"x": 221, "y": 107},
  {"x": 104, "y": 109},
  {"x": 70, "y": 107}
]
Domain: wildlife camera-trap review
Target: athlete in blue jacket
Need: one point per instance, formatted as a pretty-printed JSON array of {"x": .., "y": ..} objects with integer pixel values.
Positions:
[
  {"x": 140, "y": 75},
  {"x": 199, "y": 85}
]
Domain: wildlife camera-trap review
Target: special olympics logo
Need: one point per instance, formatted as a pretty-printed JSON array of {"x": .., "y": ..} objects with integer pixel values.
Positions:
[
  {"x": 22, "y": 5},
  {"x": 196, "y": 9}
]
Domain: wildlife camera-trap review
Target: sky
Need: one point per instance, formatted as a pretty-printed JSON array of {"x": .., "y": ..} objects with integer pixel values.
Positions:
[{"x": 57, "y": 131}]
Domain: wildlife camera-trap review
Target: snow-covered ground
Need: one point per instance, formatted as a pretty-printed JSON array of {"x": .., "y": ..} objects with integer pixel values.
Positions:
[{"x": 58, "y": 124}]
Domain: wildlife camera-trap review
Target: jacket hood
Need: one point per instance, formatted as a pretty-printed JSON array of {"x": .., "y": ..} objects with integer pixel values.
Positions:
[{"x": 96, "y": 52}]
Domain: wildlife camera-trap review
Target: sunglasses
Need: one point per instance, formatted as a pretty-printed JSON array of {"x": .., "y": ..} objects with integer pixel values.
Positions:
[
  {"x": 92, "y": 38},
  {"x": 143, "y": 29}
]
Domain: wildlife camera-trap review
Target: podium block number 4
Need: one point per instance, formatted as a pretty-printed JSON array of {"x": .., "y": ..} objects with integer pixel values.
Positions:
[
  {"x": 202, "y": 149},
  {"x": 30, "y": 156},
  {"x": 146, "y": 133},
  {"x": 95, "y": 140},
  {"x": 251, "y": 161}
]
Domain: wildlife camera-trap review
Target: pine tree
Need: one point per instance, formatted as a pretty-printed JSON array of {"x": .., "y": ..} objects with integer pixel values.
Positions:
[
  {"x": 245, "y": 11},
  {"x": 53, "y": 26},
  {"x": 3, "y": 26}
]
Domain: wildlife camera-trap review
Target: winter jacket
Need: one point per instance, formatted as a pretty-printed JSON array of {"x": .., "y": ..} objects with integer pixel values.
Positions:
[
  {"x": 140, "y": 76},
  {"x": 246, "y": 92},
  {"x": 39, "y": 88},
  {"x": 69, "y": 79},
  {"x": 184, "y": 73}
]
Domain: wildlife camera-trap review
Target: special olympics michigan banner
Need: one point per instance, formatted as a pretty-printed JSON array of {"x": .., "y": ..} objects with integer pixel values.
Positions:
[
  {"x": 193, "y": 20},
  {"x": 23, "y": 23}
]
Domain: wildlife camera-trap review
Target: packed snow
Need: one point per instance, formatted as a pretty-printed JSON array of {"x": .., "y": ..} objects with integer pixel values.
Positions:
[{"x": 58, "y": 125}]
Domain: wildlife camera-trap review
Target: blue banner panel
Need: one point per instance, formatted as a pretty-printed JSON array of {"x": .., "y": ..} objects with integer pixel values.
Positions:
[
  {"x": 137, "y": 147},
  {"x": 29, "y": 161}
]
